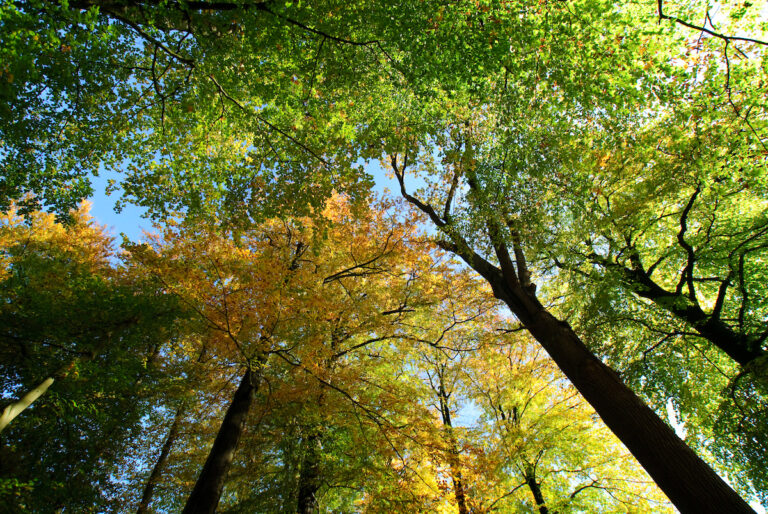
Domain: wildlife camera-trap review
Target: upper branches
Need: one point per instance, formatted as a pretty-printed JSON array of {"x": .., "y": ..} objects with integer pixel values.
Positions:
[{"x": 704, "y": 29}]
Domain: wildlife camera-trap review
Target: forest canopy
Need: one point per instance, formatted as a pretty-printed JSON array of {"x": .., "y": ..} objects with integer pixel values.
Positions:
[{"x": 560, "y": 307}]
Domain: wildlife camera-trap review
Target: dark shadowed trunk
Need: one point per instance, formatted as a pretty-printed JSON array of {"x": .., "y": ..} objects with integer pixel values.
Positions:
[
  {"x": 309, "y": 476},
  {"x": 687, "y": 480},
  {"x": 205, "y": 496},
  {"x": 453, "y": 451},
  {"x": 157, "y": 470},
  {"x": 535, "y": 487}
]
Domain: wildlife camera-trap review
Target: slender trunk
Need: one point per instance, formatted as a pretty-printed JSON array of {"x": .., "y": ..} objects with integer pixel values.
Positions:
[
  {"x": 535, "y": 487},
  {"x": 11, "y": 411},
  {"x": 154, "y": 477},
  {"x": 15, "y": 408},
  {"x": 205, "y": 496},
  {"x": 687, "y": 480},
  {"x": 453, "y": 453},
  {"x": 309, "y": 476}
]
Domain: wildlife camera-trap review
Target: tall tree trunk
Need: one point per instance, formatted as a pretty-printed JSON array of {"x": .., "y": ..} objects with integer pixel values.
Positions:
[
  {"x": 15, "y": 408},
  {"x": 687, "y": 480},
  {"x": 453, "y": 452},
  {"x": 205, "y": 496},
  {"x": 535, "y": 487},
  {"x": 154, "y": 477},
  {"x": 309, "y": 476}
]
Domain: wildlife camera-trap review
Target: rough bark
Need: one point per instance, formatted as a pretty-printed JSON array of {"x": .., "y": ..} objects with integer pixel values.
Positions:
[
  {"x": 205, "y": 496},
  {"x": 309, "y": 476},
  {"x": 162, "y": 459}
]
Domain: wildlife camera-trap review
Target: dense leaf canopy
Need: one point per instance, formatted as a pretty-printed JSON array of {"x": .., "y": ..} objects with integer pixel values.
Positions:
[{"x": 601, "y": 165}]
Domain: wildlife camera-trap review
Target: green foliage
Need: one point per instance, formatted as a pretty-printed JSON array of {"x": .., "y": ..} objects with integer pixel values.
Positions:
[
  {"x": 583, "y": 129},
  {"x": 70, "y": 313}
]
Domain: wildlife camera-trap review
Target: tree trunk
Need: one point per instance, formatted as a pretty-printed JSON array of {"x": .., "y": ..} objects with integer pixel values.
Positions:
[
  {"x": 686, "y": 479},
  {"x": 15, "y": 408},
  {"x": 309, "y": 476},
  {"x": 11, "y": 411},
  {"x": 535, "y": 487},
  {"x": 205, "y": 496},
  {"x": 154, "y": 477},
  {"x": 453, "y": 453}
]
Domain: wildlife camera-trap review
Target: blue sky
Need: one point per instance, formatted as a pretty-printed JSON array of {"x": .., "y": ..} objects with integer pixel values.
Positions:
[{"x": 131, "y": 223}]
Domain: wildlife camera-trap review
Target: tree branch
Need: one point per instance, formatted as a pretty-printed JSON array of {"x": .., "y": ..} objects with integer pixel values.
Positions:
[
  {"x": 686, "y": 276},
  {"x": 684, "y": 23}
]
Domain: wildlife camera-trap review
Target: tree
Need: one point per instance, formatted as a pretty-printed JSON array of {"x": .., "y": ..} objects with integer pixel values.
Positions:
[
  {"x": 289, "y": 290},
  {"x": 470, "y": 364},
  {"x": 79, "y": 339},
  {"x": 634, "y": 423},
  {"x": 162, "y": 459},
  {"x": 420, "y": 64},
  {"x": 693, "y": 252},
  {"x": 670, "y": 209},
  {"x": 545, "y": 448},
  {"x": 504, "y": 168},
  {"x": 158, "y": 91}
]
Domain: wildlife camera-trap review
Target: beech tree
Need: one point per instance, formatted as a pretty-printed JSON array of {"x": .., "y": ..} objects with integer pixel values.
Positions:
[
  {"x": 79, "y": 344},
  {"x": 469, "y": 356},
  {"x": 507, "y": 272},
  {"x": 238, "y": 111},
  {"x": 545, "y": 450},
  {"x": 307, "y": 294}
]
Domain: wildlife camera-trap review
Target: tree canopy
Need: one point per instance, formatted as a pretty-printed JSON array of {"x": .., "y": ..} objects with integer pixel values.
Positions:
[{"x": 589, "y": 173}]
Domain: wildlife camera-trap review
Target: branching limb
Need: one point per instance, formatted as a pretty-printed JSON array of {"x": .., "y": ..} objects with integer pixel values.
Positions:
[
  {"x": 451, "y": 193},
  {"x": 705, "y": 30},
  {"x": 223, "y": 93},
  {"x": 423, "y": 207},
  {"x": 150, "y": 39},
  {"x": 686, "y": 276}
]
